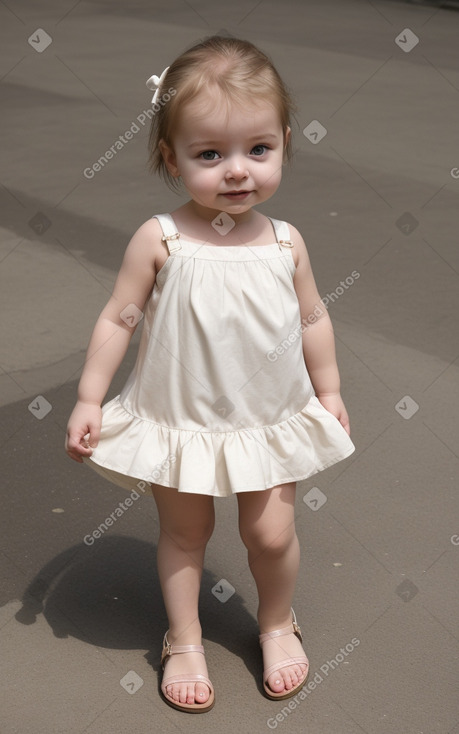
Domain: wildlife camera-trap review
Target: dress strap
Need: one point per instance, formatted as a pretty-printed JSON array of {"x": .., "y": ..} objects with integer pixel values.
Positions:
[
  {"x": 282, "y": 233},
  {"x": 170, "y": 234}
]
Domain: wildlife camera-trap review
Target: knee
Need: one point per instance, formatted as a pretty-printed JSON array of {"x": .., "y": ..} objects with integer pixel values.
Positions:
[
  {"x": 263, "y": 540},
  {"x": 190, "y": 536}
]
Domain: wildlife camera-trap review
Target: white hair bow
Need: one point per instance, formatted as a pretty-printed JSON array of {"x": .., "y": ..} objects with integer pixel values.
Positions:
[{"x": 154, "y": 82}]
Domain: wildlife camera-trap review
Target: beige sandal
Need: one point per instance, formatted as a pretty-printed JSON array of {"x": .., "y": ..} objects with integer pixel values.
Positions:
[
  {"x": 293, "y": 630},
  {"x": 192, "y": 708}
]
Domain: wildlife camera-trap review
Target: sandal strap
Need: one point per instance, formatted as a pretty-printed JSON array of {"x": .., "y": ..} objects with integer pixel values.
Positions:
[
  {"x": 276, "y": 633},
  {"x": 283, "y": 631},
  {"x": 285, "y": 664},
  {"x": 177, "y": 649},
  {"x": 169, "y": 649},
  {"x": 184, "y": 678}
]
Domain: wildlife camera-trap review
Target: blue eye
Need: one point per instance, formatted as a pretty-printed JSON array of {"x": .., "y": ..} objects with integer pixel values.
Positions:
[
  {"x": 259, "y": 150},
  {"x": 208, "y": 155}
]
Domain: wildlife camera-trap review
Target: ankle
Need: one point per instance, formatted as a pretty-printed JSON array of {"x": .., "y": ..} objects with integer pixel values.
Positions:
[
  {"x": 185, "y": 634},
  {"x": 269, "y": 623}
]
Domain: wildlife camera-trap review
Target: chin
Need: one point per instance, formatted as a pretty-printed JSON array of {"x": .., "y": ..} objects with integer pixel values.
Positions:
[{"x": 236, "y": 208}]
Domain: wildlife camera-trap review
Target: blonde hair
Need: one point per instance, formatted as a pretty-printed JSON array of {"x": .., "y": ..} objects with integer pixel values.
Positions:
[{"x": 237, "y": 68}]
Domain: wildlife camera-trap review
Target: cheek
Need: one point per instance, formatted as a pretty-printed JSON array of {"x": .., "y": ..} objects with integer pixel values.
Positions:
[
  {"x": 273, "y": 180},
  {"x": 202, "y": 178}
]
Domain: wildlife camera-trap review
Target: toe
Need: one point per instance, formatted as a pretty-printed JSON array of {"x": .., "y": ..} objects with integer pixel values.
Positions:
[
  {"x": 301, "y": 672},
  {"x": 173, "y": 691},
  {"x": 183, "y": 695},
  {"x": 286, "y": 678},
  {"x": 276, "y": 682},
  {"x": 290, "y": 679},
  {"x": 190, "y": 693},
  {"x": 202, "y": 693},
  {"x": 296, "y": 674}
]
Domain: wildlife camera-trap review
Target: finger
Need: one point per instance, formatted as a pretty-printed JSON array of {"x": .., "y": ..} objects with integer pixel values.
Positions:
[
  {"x": 346, "y": 426},
  {"x": 94, "y": 432},
  {"x": 75, "y": 458},
  {"x": 79, "y": 446},
  {"x": 72, "y": 454}
]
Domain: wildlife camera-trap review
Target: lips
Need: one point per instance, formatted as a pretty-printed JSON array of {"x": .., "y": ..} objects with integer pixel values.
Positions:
[{"x": 237, "y": 194}]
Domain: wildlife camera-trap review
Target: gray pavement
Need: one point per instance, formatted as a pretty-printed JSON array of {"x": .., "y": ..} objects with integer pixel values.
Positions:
[{"x": 81, "y": 625}]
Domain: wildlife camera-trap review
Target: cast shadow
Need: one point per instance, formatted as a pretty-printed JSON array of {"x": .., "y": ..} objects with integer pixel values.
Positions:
[{"x": 108, "y": 595}]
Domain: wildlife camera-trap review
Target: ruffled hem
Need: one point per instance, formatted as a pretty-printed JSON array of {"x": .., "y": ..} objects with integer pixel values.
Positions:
[{"x": 134, "y": 453}]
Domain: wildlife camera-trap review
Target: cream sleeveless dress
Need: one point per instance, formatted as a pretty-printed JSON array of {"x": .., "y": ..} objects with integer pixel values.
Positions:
[{"x": 219, "y": 400}]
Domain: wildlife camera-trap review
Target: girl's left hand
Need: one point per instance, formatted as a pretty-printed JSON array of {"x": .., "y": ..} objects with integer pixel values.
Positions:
[{"x": 333, "y": 402}]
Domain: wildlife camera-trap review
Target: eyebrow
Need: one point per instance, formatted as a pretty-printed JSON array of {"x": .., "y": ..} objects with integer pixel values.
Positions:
[{"x": 210, "y": 143}]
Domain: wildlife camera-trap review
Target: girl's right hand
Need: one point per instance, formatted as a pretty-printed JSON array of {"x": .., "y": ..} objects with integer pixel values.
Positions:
[{"x": 85, "y": 418}]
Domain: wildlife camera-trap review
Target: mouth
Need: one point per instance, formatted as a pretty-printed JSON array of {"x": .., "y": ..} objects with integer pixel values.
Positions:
[{"x": 237, "y": 194}]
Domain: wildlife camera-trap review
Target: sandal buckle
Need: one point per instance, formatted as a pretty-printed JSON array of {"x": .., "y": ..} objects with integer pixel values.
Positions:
[
  {"x": 166, "y": 651},
  {"x": 297, "y": 631}
]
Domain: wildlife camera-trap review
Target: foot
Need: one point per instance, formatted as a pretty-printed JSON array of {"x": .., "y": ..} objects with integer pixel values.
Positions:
[
  {"x": 279, "y": 649},
  {"x": 192, "y": 663}
]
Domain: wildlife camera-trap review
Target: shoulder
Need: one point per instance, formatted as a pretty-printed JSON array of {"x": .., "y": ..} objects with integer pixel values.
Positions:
[
  {"x": 299, "y": 250},
  {"x": 303, "y": 279},
  {"x": 148, "y": 232},
  {"x": 146, "y": 244}
]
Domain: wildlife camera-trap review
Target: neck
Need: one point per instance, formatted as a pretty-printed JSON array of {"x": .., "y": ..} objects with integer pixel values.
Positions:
[{"x": 208, "y": 215}]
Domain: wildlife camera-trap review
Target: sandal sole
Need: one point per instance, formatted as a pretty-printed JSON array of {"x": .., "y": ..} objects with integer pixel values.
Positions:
[{"x": 190, "y": 708}]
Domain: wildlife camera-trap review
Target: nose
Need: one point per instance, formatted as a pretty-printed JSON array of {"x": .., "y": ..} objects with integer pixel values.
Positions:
[{"x": 237, "y": 168}]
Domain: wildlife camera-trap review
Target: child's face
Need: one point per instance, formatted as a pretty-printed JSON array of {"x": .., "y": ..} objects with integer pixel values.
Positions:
[{"x": 229, "y": 160}]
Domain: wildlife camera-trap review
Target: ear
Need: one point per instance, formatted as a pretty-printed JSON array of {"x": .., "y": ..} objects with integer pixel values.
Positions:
[
  {"x": 169, "y": 158},
  {"x": 287, "y": 135}
]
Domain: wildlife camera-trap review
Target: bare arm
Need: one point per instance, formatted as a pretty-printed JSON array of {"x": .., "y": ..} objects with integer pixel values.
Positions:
[
  {"x": 318, "y": 336},
  {"x": 111, "y": 336}
]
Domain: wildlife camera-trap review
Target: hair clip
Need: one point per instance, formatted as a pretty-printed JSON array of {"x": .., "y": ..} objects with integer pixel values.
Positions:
[{"x": 154, "y": 82}]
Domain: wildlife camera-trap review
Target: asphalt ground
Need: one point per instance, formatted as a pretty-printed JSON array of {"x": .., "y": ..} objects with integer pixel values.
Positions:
[{"x": 81, "y": 624}]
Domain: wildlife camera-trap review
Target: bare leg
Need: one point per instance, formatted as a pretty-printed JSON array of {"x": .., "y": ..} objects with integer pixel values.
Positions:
[
  {"x": 186, "y": 524},
  {"x": 267, "y": 528}
]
